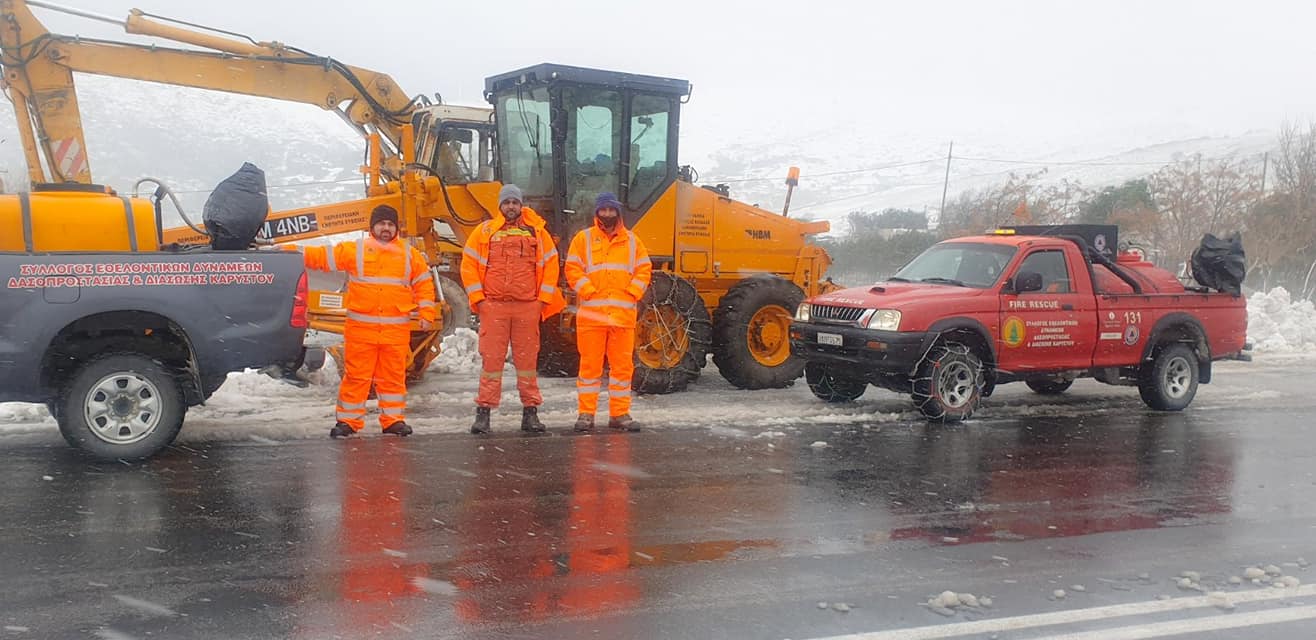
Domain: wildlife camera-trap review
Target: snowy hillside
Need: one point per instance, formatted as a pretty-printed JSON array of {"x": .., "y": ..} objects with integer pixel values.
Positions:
[
  {"x": 835, "y": 180},
  {"x": 193, "y": 139}
]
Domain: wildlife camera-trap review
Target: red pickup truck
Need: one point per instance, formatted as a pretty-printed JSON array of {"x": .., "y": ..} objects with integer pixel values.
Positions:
[{"x": 974, "y": 312}]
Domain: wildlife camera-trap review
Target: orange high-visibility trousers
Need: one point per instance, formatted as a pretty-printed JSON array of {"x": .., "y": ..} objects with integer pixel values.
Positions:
[
  {"x": 517, "y": 323},
  {"x": 595, "y": 343},
  {"x": 386, "y": 366}
]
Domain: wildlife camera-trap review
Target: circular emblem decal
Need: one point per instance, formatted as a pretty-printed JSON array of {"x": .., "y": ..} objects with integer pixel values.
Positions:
[
  {"x": 1131, "y": 335},
  {"x": 1013, "y": 331}
]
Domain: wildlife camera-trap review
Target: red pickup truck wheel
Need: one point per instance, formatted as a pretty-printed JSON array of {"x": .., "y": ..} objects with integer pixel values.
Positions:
[
  {"x": 949, "y": 383},
  {"x": 1169, "y": 381},
  {"x": 1050, "y": 387},
  {"x": 829, "y": 385}
]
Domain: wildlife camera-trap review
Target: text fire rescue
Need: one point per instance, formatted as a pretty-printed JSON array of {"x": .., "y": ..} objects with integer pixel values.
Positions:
[{"x": 1034, "y": 304}]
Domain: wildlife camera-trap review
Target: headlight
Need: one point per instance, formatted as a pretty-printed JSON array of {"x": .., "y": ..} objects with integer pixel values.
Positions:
[
  {"x": 885, "y": 320},
  {"x": 803, "y": 312}
]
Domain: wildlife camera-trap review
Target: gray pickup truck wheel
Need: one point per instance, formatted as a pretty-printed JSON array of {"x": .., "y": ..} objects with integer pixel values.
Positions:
[{"x": 121, "y": 406}]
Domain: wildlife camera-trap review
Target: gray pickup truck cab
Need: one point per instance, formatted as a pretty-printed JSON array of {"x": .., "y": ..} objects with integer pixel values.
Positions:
[{"x": 119, "y": 345}]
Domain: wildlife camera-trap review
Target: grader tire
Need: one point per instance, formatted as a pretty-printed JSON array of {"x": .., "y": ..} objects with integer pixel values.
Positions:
[
  {"x": 457, "y": 311},
  {"x": 558, "y": 355},
  {"x": 672, "y": 335},
  {"x": 751, "y": 335}
]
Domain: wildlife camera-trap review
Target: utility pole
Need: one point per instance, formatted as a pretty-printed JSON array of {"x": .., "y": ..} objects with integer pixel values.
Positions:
[
  {"x": 1265, "y": 163},
  {"x": 941, "y": 213}
]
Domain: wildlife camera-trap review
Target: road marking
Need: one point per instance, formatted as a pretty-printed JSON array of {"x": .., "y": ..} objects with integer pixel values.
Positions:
[
  {"x": 1179, "y": 627},
  {"x": 1074, "y": 615}
]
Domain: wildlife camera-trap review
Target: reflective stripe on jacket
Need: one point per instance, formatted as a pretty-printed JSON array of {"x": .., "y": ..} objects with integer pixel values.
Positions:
[
  {"x": 387, "y": 286},
  {"x": 608, "y": 274},
  {"x": 476, "y": 255}
]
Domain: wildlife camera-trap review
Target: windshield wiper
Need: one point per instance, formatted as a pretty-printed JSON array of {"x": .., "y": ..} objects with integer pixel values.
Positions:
[
  {"x": 951, "y": 281},
  {"x": 898, "y": 279}
]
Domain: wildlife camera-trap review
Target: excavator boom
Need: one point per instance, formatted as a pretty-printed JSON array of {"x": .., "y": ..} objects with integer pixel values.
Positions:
[{"x": 39, "y": 66}]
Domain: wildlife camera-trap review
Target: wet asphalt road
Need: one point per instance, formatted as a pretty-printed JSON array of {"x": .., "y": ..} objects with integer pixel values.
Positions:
[{"x": 685, "y": 533}]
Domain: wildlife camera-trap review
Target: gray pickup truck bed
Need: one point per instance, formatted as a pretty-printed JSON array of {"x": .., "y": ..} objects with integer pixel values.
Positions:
[{"x": 195, "y": 315}]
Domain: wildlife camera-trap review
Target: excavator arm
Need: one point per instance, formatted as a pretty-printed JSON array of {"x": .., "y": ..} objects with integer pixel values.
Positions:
[
  {"x": 38, "y": 77},
  {"x": 38, "y": 68}
]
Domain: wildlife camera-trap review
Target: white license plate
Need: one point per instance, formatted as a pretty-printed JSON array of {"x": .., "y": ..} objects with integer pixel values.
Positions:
[{"x": 833, "y": 339}]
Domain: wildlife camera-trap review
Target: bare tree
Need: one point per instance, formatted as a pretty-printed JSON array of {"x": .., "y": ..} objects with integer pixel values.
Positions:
[
  {"x": 1229, "y": 189},
  {"x": 1195, "y": 197},
  {"x": 976, "y": 211},
  {"x": 1282, "y": 228}
]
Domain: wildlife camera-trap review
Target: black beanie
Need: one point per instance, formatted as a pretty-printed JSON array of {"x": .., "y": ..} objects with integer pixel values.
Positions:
[{"x": 383, "y": 212}]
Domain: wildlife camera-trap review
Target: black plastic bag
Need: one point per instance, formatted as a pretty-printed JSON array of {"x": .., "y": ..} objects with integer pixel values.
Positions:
[
  {"x": 236, "y": 209},
  {"x": 1220, "y": 264}
]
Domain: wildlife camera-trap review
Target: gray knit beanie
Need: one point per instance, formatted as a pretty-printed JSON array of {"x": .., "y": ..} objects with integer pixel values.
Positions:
[{"x": 509, "y": 192}]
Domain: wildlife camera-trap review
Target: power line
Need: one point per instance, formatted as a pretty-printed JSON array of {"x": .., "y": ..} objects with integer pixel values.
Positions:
[
  {"x": 900, "y": 185},
  {"x": 293, "y": 185},
  {"x": 1039, "y": 163},
  {"x": 825, "y": 174},
  {"x": 1085, "y": 163}
]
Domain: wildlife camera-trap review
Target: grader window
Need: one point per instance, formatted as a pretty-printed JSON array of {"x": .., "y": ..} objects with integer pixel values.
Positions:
[
  {"x": 461, "y": 155},
  {"x": 593, "y": 144},
  {"x": 525, "y": 147},
  {"x": 649, "y": 162}
]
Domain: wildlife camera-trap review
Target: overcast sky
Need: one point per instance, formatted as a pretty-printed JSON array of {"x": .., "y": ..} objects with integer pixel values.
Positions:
[{"x": 1012, "y": 70}]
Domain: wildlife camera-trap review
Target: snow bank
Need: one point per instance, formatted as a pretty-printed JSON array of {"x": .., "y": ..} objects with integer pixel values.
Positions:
[
  {"x": 19, "y": 417},
  {"x": 1276, "y": 324},
  {"x": 459, "y": 353}
]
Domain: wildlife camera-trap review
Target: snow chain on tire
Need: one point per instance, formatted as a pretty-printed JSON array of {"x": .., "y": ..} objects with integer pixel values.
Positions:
[
  {"x": 668, "y": 289},
  {"x": 935, "y": 364},
  {"x": 827, "y": 386}
]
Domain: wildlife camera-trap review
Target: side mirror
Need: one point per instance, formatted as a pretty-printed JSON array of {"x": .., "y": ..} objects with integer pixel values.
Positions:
[{"x": 1026, "y": 281}]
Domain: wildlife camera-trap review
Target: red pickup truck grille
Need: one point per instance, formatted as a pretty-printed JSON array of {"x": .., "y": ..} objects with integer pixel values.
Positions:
[{"x": 835, "y": 314}]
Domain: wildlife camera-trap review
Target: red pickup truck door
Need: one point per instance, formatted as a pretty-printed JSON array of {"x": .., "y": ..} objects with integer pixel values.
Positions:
[{"x": 1053, "y": 329}]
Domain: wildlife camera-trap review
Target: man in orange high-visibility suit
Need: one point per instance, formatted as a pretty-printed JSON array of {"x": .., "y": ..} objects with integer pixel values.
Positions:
[
  {"x": 609, "y": 269},
  {"x": 510, "y": 271},
  {"x": 388, "y": 281}
]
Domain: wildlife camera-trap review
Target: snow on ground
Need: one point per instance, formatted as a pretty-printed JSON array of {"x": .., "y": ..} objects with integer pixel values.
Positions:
[
  {"x": 255, "y": 408},
  {"x": 1277, "y": 324}
]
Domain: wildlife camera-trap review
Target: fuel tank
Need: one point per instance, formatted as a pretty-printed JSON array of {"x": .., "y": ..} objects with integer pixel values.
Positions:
[{"x": 76, "y": 217}]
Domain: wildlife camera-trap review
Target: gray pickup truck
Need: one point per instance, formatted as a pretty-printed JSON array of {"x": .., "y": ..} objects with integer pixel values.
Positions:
[{"x": 119, "y": 345}]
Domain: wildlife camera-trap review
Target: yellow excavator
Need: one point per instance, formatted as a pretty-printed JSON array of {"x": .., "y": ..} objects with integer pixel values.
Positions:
[
  {"x": 728, "y": 275},
  {"x": 38, "y": 78}
]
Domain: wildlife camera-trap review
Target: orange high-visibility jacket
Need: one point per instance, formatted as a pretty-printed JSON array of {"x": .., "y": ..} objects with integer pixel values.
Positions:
[
  {"x": 475, "y": 261},
  {"x": 609, "y": 275},
  {"x": 387, "y": 285}
]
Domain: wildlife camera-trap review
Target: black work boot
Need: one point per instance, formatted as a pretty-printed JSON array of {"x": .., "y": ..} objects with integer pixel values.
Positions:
[
  {"x": 342, "y": 430},
  {"x": 530, "y": 420},
  {"x": 399, "y": 429},
  {"x": 481, "y": 424},
  {"x": 623, "y": 422},
  {"x": 584, "y": 423}
]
